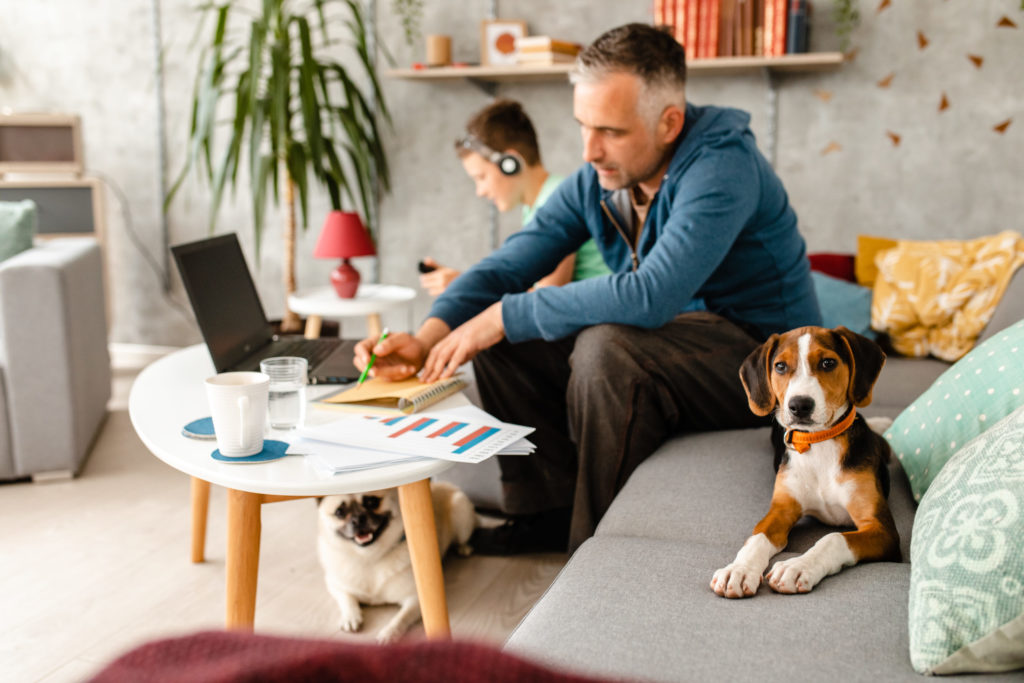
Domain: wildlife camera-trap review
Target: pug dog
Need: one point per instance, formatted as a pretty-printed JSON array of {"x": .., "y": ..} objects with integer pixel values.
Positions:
[{"x": 362, "y": 549}]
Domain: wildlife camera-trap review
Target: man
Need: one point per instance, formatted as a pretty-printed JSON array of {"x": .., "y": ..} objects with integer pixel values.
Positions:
[
  {"x": 500, "y": 133},
  {"x": 707, "y": 262}
]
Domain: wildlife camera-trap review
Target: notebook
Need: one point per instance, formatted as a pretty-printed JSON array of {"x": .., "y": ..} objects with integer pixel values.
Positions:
[
  {"x": 404, "y": 396},
  {"x": 231, "y": 318}
]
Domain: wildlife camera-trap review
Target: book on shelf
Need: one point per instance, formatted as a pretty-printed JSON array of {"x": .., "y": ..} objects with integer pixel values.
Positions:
[
  {"x": 797, "y": 27},
  {"x": 678, "y": 23},
  {"x": 535, "y": 44},
  {"x": 726, "y": 28},
  {"x": 404, "y": 396},
  {"x": 545, "y": 50},
  {"x": 735, "y": 28},
  {"x": 543, "y": 59}
]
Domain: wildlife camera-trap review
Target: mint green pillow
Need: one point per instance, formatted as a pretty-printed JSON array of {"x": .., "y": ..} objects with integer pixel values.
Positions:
[
  {"x": 980, "y": 389},
  {"x": 967, "y": 559},
  {"x": 17, "y": 227}
]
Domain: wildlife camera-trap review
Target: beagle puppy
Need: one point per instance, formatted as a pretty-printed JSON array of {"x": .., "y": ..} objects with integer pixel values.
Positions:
[{"x": 829, "y": 463}]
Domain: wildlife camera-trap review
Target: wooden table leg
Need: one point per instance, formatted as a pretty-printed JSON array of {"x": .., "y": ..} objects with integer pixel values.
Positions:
[
  {"x": 373, "y": 324},
  {"x": 243, "y": 558},
  {"x": 313, "y": 323},
  {"x": 421, "y": 533},
  {"x": 200, "y": 508}
]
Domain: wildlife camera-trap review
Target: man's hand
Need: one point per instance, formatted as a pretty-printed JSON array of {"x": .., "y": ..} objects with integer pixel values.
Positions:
[
  {"x": 438, "y": 279},
  {"x": 462, "y": 344},
  {"x": 398, "y": 357}
]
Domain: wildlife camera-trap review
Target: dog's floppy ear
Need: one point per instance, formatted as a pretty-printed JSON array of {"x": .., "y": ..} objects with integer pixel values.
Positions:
[
  {"x": 866, "y": 361},
  {"x": 754, "y": 374}
]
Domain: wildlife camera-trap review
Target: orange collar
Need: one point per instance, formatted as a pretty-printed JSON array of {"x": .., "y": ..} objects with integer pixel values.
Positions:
[{"x": 801, "y": 441}]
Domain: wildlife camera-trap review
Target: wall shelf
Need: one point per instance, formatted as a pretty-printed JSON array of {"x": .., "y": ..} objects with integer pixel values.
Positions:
[{"x": 811, "y": 61}]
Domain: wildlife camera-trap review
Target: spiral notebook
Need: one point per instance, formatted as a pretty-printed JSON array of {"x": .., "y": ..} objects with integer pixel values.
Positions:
[{"x": 404, "y": 396}]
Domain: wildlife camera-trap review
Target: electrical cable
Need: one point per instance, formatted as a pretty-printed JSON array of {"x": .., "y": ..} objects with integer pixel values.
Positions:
[
  {"x": 161, "y": 166},
  {"x": 126, "y": 213}
]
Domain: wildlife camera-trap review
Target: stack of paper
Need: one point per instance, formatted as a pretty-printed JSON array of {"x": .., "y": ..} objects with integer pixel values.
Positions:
[
  {"x": 330, "y": 459},
  {"x": 464, "y": 434}
]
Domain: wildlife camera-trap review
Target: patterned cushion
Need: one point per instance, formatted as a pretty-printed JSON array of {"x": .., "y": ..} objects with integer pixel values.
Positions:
[
  {"x": 17, "y": 227},
  {"x": 967, "y": 559},
  {"x": 983, "y": 387}
]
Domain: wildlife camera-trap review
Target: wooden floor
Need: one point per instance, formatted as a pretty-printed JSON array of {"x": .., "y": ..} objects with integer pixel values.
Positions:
[{"x": 96, "y": 565}]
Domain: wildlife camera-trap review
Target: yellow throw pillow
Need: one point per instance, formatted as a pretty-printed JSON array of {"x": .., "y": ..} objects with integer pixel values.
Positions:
[{"x": 864, "y": 263}]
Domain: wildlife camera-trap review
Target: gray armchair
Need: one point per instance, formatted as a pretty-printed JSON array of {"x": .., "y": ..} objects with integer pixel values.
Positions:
[{"x": 54, "y": 362}]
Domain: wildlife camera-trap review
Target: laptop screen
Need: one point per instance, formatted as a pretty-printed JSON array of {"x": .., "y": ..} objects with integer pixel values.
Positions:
[{"x": 224, "y": 298}]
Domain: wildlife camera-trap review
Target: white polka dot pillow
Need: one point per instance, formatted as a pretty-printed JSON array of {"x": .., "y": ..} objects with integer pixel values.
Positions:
[
  {"x": 982, "y": 388},
  {"x": 966, "y": 611}
]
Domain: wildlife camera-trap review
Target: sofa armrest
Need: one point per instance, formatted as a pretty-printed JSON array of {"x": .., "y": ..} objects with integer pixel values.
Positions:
[
  {"x": 1010, "y": 308},
  {"x": 53, "y": 348}
]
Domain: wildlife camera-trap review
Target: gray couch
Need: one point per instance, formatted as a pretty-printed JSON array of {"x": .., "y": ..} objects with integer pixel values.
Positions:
[
  {"x": 54, "y": 362},
  {"x": 634, "y": 600}
]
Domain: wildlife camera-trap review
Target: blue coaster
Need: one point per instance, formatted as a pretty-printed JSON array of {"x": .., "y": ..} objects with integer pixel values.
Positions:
[
  {"x": 199, "y": 429},
  {"x": 272, "y": 450}
]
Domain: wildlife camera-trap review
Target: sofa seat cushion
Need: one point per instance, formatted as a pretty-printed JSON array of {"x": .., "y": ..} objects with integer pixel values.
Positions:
[
  {"x": 641, "y": 608},
  {"x": 713, "y": 487},
  {"x": 901, "y": 382}
]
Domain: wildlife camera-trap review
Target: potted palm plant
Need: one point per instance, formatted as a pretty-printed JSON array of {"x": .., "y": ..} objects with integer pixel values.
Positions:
[{"x": 299, "y": 114}]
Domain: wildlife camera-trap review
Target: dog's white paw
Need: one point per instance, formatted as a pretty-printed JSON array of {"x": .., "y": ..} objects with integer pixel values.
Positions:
[
  {"x": 795, "y": 575},
  {"x": 351, "y": 620},
  {"x": 464, "y": 549},
  {"x": 736, "y": 581},
  {"x": 389, "y": 634}
]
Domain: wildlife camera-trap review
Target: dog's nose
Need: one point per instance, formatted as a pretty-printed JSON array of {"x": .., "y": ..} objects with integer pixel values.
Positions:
[{"x": 801, "y": 406}]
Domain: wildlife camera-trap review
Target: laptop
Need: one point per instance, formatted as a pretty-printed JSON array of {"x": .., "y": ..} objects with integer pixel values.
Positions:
[{"x": 231, "y": 318}]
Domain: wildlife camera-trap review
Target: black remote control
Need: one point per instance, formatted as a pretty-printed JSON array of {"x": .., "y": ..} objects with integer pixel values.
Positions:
[{"x": 424, "y": 268}]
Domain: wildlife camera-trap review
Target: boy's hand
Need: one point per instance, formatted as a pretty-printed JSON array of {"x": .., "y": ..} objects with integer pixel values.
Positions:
[{"x": 438, "y": 279}]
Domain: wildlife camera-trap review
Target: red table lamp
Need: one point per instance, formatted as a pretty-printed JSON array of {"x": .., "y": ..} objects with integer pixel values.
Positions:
[{"x": 344, "y": 237}]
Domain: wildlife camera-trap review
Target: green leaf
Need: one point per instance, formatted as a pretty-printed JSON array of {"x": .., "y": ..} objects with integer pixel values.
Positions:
[
  {"x": 259, "y": 198},
  {"x": 261, "y": 60}
]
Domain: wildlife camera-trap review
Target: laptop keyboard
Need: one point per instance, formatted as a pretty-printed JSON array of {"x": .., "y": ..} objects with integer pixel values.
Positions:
[{"x": 313, "y": 350}]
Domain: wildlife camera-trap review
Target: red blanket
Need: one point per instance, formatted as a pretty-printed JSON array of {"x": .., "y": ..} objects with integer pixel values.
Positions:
[{"x": 217, "y": 656}]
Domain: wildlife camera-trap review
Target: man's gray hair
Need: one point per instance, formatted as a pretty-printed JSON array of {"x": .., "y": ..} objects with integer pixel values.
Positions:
[{"x": 644, "y": 51}]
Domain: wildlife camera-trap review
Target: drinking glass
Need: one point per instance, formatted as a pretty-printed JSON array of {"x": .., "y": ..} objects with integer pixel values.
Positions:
[{"x": 286, "y": 406}]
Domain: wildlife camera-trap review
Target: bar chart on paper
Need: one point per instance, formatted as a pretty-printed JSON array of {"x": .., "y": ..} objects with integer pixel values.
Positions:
[{"x": 462, "y": 435}]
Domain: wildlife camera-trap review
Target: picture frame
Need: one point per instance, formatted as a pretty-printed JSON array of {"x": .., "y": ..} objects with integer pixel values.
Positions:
[
  {"x": 498, "y": 39},
  {"x": 41, "y": 143}
]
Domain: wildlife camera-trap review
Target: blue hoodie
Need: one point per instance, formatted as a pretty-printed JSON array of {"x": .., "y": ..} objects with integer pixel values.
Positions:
[{"x": 719, "y": 236}]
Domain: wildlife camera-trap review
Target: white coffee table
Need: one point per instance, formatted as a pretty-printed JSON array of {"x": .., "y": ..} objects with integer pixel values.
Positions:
[
  {"x": 370, "y": 300},
  {"x": 169, "y": 394}
]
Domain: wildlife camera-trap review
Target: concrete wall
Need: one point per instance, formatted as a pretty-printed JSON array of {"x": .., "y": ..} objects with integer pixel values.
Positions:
[{"x": 951, "y": 175}]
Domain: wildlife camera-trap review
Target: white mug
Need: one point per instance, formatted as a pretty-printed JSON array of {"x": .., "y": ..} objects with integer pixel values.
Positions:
[{"x": 238, "y": 405}]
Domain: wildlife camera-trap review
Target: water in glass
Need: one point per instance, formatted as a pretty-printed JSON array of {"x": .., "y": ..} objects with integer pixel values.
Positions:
[{"x": 286, "y": 406}]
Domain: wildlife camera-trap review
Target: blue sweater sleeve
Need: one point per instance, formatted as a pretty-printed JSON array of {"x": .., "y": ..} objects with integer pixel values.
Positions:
[
  {"x": 707, "y": 208},
  {"x": 557, "y": 229}
]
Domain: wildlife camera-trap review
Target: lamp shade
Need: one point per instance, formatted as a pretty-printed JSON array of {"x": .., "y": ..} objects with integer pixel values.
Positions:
[{"x": 343, "y": 236}]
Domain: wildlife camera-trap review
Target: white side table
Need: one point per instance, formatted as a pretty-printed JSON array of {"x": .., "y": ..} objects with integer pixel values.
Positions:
[
  {"x": 323, "y": 302},
  {"x": 169, "y": 393}
]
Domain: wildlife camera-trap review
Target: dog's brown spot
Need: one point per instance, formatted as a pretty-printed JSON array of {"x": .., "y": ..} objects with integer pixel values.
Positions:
[
  {"x": 876, "y": 537},
  {"x": 783, "y": 513}
]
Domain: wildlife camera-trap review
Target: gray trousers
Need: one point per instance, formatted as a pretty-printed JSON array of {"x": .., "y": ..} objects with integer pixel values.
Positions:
[{"x": 606, "y": 399}]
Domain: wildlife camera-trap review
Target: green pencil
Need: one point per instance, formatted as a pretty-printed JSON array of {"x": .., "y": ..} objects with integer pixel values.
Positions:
[{"x": 373, "y": 357}]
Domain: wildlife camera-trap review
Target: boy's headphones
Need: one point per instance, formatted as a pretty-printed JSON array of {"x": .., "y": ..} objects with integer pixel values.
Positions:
[{"x": 509, "y": 164}]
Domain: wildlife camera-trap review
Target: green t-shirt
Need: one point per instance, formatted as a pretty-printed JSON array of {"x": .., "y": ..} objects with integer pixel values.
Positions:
[{"x": 589, "y": 262}]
